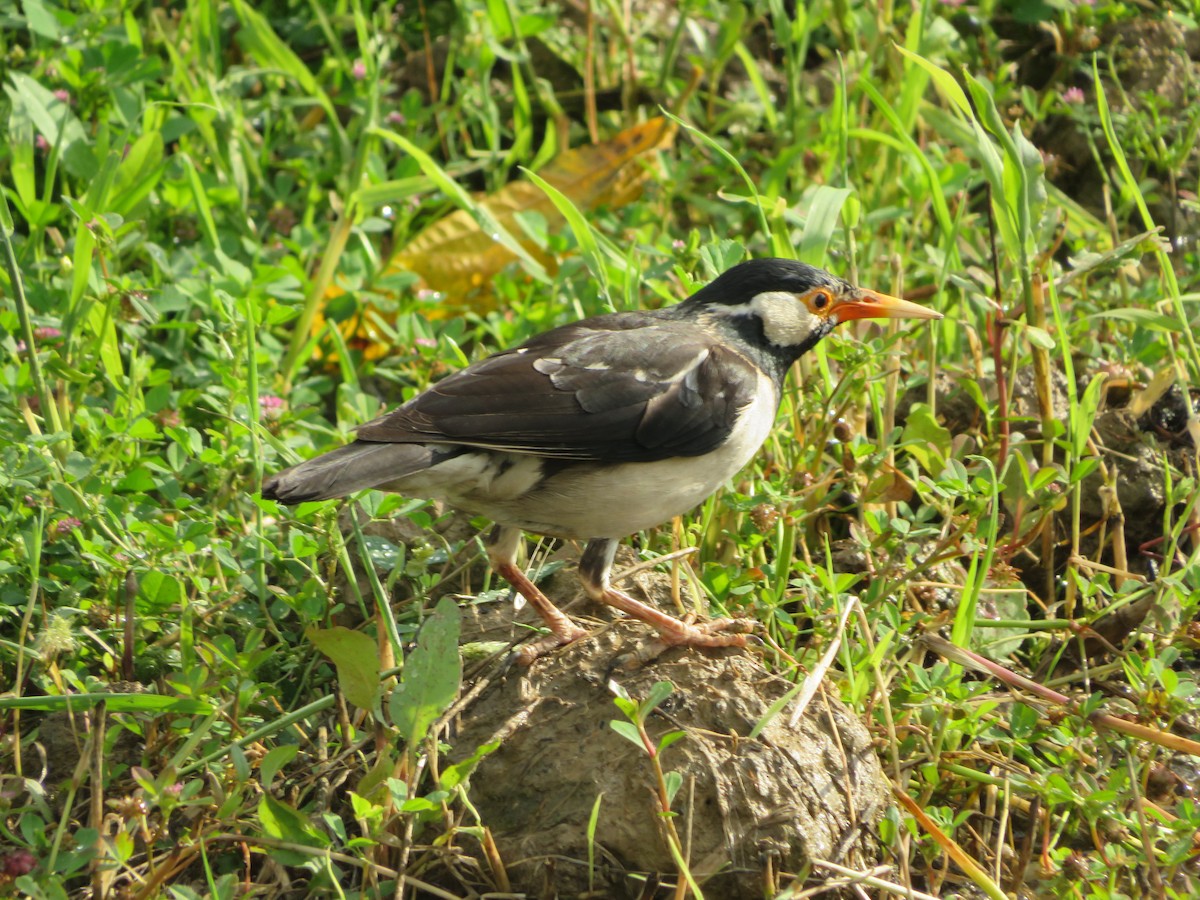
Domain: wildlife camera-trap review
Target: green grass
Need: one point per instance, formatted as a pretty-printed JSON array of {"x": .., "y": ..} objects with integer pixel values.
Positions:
[{"x": 176, "y": 205}]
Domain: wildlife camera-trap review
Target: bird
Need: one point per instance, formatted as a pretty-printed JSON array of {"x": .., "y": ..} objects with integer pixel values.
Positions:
[{"x": 602, "y": 428}]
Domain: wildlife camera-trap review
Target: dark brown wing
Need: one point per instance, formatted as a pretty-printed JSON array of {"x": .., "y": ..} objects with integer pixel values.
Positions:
[{"x": 622, "y": 388}]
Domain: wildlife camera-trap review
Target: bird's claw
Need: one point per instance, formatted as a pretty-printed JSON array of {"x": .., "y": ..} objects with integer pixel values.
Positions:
[
  {"x": 529, "y": 653},
  {"x": 717, "y": 633},
  {"x": 709, "y": 635}
]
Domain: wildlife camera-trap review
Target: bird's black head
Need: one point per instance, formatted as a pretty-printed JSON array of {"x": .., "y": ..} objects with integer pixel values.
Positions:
[
  {"x": 745, "y": 281},
  {"x": 783, "y": 307}
]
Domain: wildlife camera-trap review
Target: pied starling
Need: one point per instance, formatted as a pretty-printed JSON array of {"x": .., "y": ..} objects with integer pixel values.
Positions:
[{"x": 598, "y": 429}]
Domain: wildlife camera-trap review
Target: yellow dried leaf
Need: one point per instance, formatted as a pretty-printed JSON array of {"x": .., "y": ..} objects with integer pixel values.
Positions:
[{"x": 454, "y": 257}]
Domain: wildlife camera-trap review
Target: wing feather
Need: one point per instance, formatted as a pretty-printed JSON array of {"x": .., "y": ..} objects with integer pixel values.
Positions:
[{"x": 621, "y": 388}]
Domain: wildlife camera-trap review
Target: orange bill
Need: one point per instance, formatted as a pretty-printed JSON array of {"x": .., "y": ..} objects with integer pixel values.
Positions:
[{"x": 873, "y": 305}]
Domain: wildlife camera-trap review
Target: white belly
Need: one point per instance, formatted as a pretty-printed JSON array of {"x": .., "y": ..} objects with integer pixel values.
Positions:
[{"x": 585, "y": 501}]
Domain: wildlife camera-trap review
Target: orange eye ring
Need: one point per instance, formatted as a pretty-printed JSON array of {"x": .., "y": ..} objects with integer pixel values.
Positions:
[{"x": 820, "y": 300}]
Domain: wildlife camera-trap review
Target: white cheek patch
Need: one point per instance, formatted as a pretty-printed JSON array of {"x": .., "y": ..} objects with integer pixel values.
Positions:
[{"x": 786, "y": 320}]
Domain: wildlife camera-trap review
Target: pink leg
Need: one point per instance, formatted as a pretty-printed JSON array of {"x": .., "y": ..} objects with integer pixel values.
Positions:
[
  {"x": 675, "y": 632},
  {"x": 502, "y": 547},
  {"x": 594, "y": 571}
]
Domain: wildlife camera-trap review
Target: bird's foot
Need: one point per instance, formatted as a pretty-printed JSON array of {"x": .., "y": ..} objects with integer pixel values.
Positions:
[
  {"x": 717, "y": 633},
  {"x": 528, "y": 654},
  {"x": 673, "y": 632},
  {"x": 562, "y": 630}
]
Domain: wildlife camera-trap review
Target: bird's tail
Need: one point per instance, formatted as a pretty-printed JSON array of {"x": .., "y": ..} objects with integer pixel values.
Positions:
[{"x": 355, "y": 467}]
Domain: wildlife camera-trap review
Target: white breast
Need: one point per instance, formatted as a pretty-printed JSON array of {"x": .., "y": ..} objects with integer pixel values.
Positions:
[{"x": 612, "y": 501}]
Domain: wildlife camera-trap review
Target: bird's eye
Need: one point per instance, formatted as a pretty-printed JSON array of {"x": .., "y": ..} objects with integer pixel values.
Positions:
[{"x": 820, "y": 300}]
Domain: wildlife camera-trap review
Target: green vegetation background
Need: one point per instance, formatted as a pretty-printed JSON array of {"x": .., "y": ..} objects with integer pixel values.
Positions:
[{"x": 182, "y": 184}]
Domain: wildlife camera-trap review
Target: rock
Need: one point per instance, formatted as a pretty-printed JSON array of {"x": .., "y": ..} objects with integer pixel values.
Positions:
[{"x": 752, "y": 811}]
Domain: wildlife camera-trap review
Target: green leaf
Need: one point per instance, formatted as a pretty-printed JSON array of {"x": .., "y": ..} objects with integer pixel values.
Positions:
[
  {"x": 774, "y": 709},
  {"x": 160, "y": 590},
  {"x": 377, "y": 776},
  {"x": 584, "y": 236},
  {"x": 670, "y": 738},
  {"x": 593, "y": 822},
  {"x": 276, "y": 759},
  {"x": 453, "y": 776},
  {"x": 356, "y": 658},
  {"x": 936, "y": 191},
  {"x": 1045, "y": 476},
  {"x": 432, "y": 675},
  {"x": 1085, "y": 416},
  {"x": 1143, "y": 318},
  {"x": 628, "y": 731},
  {"x": 626, "y": 706},
  {"x": 47, "y": 112},
  {"x": 126, "y": 703},
  {"x": 260, "y": 40},
  {"x": 766, "y": 98},
  {"x": 1039, "y": 337},
  {"x": 820, "y": 223},
  {"x": 364, "y": 808},
  {"x": 1083, "y": 469},
  {"x": 733, "y": 161},
  {"x": 40, "y": 20},
  {"x": 674, "y": 781},
  {"x": 138, "y": 173},
  {"x": 946, "y": 83},
  {"x": 1022, "y": 721},
  {"x": 660, "y": 692},
  {"x": 618, "y": 690},
  {"x": 284, "y": 823},
  {"x": 462, "y": 199},
  {"x": 926, "y": 440},
  {"x": 1087, "y": 261}
]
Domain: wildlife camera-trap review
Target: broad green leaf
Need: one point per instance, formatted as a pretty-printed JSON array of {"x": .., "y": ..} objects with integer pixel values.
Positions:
[
  {"x": 660, "y": 692},
  {"x": 1045, "y": 476},
  {"x": 671, "y": 737},
  {"x": 383, "y": 768},
  {"x": 628, "y": 731},
  {"x": 138, "y": 173},
  {"x": 40, "y": 20},
  {"x": 356, "y": 657},
  {"x": 820, "y": 223},
  {"x": 276, "y": 759},
  {"x": 454, "y": 775},
  {"x": 432, "y": 675},
  {"x": 22, "y": 172},
  {"x": 48, "y": 114},
  {"x": 925, "y": 439},
  {"x": 284, "y": 823},
  {"x": 160, "y": 590},
  {"x": 674, "y": 781},
  {"x": 1039, "y": 337}
]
